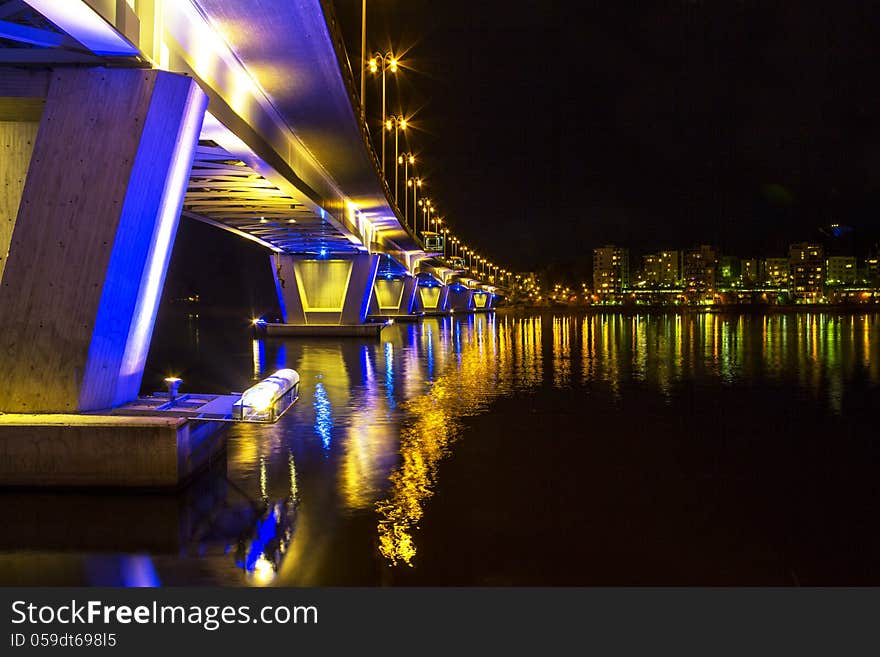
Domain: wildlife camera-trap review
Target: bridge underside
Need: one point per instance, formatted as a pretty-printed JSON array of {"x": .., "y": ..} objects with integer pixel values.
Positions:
[{"x": 103, "y": 152}]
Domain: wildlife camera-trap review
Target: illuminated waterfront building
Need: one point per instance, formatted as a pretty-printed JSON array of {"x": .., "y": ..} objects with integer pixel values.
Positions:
[
  {"x": 610, "y": 270},
  {"x": 729, "y": 268},
  {"x": 661, "y": 269},
  {"x": 776, "y": 271},
  {"x": 806, "y": 270},
  {"x": 700, "y": 270},
  {"x": 751, "y": 271},
  {"x": 841, "y": 270},
  {"x": 872, "y": 266}
]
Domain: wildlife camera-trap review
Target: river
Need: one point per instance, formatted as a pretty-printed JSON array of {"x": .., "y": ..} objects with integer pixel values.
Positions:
[{"x": 505, "y": 449}]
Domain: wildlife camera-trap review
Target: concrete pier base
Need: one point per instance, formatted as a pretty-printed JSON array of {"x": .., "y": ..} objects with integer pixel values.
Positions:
[
  {"x": 74, "y": 450},
  {"x": 325, "y": 330},
  {"x": 397, "y": 319}
]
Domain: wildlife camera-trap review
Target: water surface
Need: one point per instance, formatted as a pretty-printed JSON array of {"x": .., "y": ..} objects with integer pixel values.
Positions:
[{"x": 505, "y": 449}]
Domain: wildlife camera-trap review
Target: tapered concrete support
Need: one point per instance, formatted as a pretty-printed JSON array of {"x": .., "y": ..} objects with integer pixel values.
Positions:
[
  {"x": 461, "y": 299},
  {"x": 394, "y": 296},
  {"x": 433, "y": 299},
  {"x": 482, "y": 300},
  {"x": 332, "y": 291},
  {"x": 93, "y": 235}
]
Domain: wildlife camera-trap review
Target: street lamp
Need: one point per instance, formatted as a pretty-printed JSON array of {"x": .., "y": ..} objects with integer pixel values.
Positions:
[
  {"x": 425, "y": 204},
  {"x": 363, "y": 66},
  {"x": 398, "y": 123},
  {"x": 416, "y": 184},
  {"x": 405, "y": 159},
  {"x": 387, "y": 62}
]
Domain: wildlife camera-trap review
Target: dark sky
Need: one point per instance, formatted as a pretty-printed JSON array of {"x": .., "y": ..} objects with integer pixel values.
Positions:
[{"x": 550, "y": 127}]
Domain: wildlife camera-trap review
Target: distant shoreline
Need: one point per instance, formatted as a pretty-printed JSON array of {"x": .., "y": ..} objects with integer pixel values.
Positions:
[{"x": 727, "y": 309}]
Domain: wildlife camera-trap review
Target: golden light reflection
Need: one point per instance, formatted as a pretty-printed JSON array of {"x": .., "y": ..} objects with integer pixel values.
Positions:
[
  {"x": 399, "y": 404},
  {"x": 494, "y": 358}
]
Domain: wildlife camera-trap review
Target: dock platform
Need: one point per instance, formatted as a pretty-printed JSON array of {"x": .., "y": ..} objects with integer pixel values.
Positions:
[{"x": 152, "y": 442}]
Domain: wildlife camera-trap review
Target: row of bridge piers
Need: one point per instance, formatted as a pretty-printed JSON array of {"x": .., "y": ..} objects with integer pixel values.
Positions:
[{"x": 350, "y": 291}]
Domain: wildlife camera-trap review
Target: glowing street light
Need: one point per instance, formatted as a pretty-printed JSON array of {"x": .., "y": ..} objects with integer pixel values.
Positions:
[
  {"x": 397, "y": 123},
  {"x": 363, "y": 61},
  {"x": 390, "y": 63},
  {"x": 405, "y": 159},
  {"x": 416, "y": 184},
  {"x": 426, "y": 206}
]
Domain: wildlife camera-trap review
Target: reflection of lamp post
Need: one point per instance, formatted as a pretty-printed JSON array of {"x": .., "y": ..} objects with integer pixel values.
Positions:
[
  {"x": 398, "y": 123},
  {"x": 405, "y": 159},
  {"x": 389, "y": 62}
]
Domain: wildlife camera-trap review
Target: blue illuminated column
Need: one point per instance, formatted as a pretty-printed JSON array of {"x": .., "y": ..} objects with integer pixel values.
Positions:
[
  {"x": 444, "y": 299},
  {"x": 408, "y": 301},
  {"x": 93, "y": 237}
]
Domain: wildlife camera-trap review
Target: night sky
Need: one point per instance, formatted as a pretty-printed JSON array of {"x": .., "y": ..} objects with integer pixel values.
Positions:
[{"x": 549, "y": 127}]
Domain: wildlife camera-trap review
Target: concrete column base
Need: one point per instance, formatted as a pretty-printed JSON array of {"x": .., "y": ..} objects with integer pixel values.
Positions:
[{"x": 68, "y": 450}]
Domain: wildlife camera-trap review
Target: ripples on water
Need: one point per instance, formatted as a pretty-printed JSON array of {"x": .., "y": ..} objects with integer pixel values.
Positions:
[{"x": 341, "y": 490}]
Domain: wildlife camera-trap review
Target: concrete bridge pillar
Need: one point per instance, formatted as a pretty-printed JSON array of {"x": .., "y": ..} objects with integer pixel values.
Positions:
[
  {"x": 461, "y": 299},
  {"x": 328, "y": 291},
  {"x": 92, "y": 236},
  {"x": 394, "y": 296},
  {"x": 482, "y": 300},
  {"x": 433, "y": 298}
]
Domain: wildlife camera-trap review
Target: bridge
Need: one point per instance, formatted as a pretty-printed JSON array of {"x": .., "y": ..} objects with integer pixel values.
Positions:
[{"x": 117, "y": 117}]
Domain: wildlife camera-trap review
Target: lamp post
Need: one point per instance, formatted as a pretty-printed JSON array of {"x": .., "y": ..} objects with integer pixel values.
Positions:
[
  {"x": 405, "y": 159},
  {"x": 445, "y": 232},
  {"x": 398, "y": 123},
  {"x": 388, "y": 62},
  {"x": 425, "y": 204},
  {"x": 363, "y": 65},
  {"x": 416, "y": 185}
]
